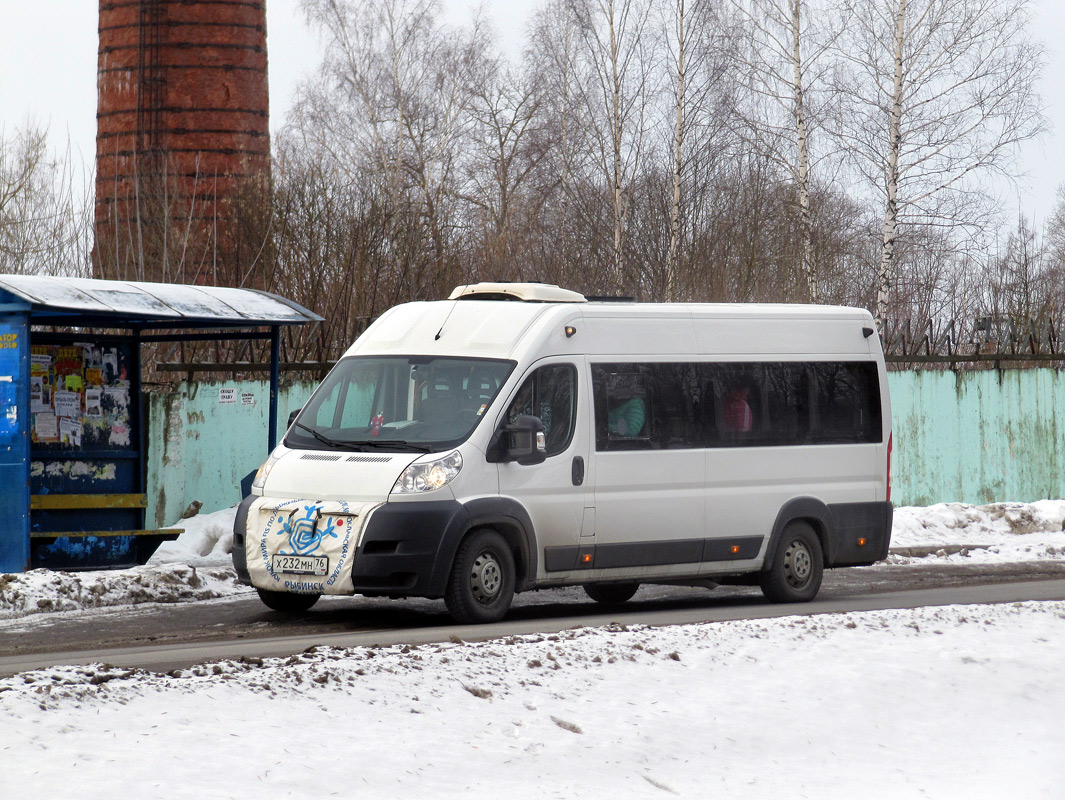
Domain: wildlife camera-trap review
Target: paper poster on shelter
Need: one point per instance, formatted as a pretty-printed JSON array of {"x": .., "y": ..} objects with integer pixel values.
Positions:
[
  {"x": 119, "y": 435},
  {"x": 93, "y": 404},
  {"x": 46, "y": 427},
  {"x": 40, "y": 399},
  {"x": 68, "y": 404},
  {"x": 70, "y": 432}
]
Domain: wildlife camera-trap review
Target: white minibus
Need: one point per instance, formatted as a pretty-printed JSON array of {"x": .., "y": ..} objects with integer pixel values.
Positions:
[{"x": 520, "y": 436}]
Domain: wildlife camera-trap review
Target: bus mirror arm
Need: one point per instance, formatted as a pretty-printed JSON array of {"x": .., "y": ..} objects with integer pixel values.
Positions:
[{"x": 523, "y": 441}]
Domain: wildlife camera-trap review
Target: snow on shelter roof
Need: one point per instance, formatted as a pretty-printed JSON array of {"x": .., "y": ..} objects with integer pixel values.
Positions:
[{"x": 82, "y": 301}]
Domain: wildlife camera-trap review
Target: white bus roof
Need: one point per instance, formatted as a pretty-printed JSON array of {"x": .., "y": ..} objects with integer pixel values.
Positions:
[{"x": 490, "y": 328}]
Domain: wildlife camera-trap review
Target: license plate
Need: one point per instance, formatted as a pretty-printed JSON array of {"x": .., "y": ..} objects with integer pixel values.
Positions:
[{"x": 302, "y": 565}]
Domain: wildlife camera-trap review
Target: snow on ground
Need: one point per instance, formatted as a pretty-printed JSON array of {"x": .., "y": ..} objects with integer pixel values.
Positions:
[{"x": 954, "y": 702}]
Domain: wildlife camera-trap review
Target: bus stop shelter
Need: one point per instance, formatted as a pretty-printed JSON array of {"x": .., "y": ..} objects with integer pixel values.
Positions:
[{"x": 72, "y": 440}]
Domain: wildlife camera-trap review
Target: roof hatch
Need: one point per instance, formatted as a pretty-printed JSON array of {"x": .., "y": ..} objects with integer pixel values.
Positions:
[{"x": 527, "y": 292}]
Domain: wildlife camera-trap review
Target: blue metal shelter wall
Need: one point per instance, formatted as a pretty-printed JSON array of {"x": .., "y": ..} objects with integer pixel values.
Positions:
[{"x": 14, "y": 442}]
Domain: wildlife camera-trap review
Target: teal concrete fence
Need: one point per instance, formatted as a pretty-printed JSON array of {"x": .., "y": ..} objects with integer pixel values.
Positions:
[
  {"x": 974, "y": 437},
  {"x": 204, "y": 437},
  {"x": 978, "y": 437}
]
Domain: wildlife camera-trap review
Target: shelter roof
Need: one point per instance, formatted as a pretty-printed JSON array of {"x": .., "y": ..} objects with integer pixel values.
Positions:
[{"x": 64, "y": 301}]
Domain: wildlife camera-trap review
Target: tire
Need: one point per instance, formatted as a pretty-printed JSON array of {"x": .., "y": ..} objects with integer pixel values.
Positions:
[
  {"x": 288, "y": 602},
  {"x": 481, "y": 585},
  {"x": 611, "y": 593},
  {"x": 794, "y": 576}
]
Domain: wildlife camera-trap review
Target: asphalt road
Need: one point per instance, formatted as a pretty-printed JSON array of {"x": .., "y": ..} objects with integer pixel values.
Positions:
[{"x": 163, "y": 638}]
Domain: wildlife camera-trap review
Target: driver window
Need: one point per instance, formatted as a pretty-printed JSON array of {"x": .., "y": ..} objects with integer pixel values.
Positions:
[{"x": 550, "y": 393}]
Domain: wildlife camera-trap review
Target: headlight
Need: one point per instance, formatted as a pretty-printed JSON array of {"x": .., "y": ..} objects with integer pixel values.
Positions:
[
  {"x": 425, "y": 476},
  {"x": 260, "y": 476}
]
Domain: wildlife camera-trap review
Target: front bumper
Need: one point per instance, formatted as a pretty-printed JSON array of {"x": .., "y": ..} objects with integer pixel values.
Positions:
[{"x": 401, "y": 549}]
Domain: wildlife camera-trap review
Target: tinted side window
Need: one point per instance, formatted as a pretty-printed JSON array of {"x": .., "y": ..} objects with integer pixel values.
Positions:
[
  {"x": 643, "y": 406},
  {"x": 788, "y": 402},
  {"x": 734, "y": 409},
  {"x": 735, "y": 404},
  {"x": 847, "y": 402},
  {"x": 550, "y": 393}
]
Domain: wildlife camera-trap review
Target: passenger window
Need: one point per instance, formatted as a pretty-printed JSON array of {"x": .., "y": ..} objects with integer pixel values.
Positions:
[
  {"x": 677, "y": 399},
  {"x": 550, "y": 393},
  {"x": 734, "y": 404},
  {"x": 848, "y": 407},
  {"x": 738, "y": 405},
  {"x": 788, "y": 403},
  {"x": 623, "y": 406},
  {"x": 645, "y": 406}
]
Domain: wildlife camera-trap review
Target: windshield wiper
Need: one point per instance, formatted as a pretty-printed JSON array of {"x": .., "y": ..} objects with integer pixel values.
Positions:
[
  {"x": 320, "y": 437},
  {"x": 395, "y": 444}
]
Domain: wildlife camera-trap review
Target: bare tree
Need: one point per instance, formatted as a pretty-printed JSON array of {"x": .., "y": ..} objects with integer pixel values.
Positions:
[
  {"x": 615, "y": 101},
  {"x": 936, "y": 96},
  {"x": 508, "y": 144},
  {"x": 784, "y": 106},
  {"x": 698, "y": 46},
  {"x": 390, "y": 106},
  {"x": 43, "y": 226},
  {"x": 1055, "y": 231}
]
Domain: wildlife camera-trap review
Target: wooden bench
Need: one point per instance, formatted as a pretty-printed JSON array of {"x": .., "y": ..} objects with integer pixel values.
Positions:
[{"x": 76, "y": 502}]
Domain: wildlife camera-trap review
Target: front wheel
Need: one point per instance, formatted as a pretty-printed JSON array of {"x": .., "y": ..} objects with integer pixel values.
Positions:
[
  {"x": 481, "y": 584},
  {"x": 794, "y": 576},
  {"x": 287, "y": 601}
]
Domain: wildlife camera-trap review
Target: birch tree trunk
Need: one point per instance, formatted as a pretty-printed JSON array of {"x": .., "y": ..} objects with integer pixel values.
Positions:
[
  {"x": 802, "y": 171},
  {"x": 673, "y": 258},
  {"x": 891, "y": 177},
  {"x": 615, "y": 101}
]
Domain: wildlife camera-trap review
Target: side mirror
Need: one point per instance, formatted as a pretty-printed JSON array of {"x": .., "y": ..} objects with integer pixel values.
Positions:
[
  {"x": 293, "y": 415},
  {"x": 523, "y": 441}
]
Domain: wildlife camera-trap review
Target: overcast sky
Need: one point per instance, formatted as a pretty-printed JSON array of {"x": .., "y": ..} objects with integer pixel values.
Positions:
[{"x": 48, "y": 73}]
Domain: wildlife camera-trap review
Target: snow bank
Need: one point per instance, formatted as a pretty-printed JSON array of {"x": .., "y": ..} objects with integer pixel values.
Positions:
[
  {"x": 43, "y": 590},
  {"x": 207, "y": 541},
  {"x": 960, "y": 524},
  {"x": 988, "y": 533},
  {"x": 195, "y": 566},
  {"x": 962, "y": 701}
]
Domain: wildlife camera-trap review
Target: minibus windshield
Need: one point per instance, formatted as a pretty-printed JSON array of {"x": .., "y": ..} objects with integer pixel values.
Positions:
[{"x": 398, "y": 404}]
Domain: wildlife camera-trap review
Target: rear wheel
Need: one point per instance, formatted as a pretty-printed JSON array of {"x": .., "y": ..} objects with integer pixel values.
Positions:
[
  {"x": 795, "y": 574},
  {"x": 611, "y": 592},
  {"x": 287, "y": 601},
  {"x": 481, "y": 585}
]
